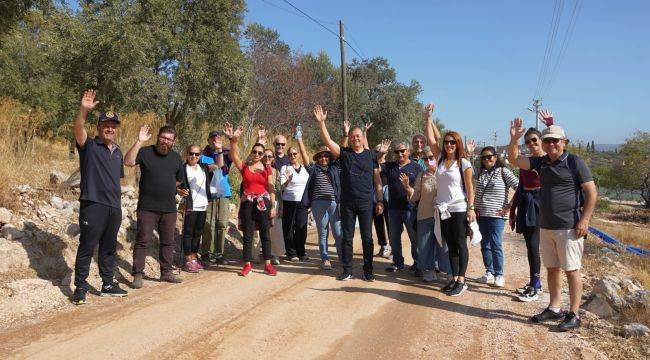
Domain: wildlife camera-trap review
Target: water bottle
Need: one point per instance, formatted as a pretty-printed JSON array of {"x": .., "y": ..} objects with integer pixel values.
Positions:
[{"x": 298, "y": 131}]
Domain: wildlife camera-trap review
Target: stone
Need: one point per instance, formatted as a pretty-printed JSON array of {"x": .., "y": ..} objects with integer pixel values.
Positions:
[
  {"x": 57, "y": 178},
  {"x": 638, "y": 298},
  {"x": 635, "y": 330},
  {"x": 10, "y": 232},
  {"x": 600, "y": 307},
  {"x": 72, "y": 182},
  {"x": 72, "y": 230},
  {"x": 57, "y": 202},
  {"x": 630, "y": 286},
  {"x": 23, "y": 189},
  {"x": 609, "y": 288},
  {"x": 5, "y": 216},
  {"x": 13, "y": 255}
]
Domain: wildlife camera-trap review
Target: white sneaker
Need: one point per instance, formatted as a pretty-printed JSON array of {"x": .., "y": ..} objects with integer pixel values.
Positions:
[
  {"x": 499, "y": 281},
  {"x": 488, "y": 278},
  {"x": 386, "y": 253},
  {"x": 429, "y": 276}
]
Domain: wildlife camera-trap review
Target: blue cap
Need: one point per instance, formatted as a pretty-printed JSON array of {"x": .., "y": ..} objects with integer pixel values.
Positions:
[{"x": 109, "y": 116}]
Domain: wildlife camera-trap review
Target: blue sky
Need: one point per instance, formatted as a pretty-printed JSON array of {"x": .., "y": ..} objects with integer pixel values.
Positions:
[{"x": 479, "y": 61}]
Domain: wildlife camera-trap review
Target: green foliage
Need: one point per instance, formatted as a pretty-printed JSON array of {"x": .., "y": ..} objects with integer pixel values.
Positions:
[{"x": 635, "y": 169}]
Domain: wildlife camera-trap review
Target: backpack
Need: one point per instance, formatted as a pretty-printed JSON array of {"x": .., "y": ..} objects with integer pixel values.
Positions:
[{"x": 580, "y": 196}]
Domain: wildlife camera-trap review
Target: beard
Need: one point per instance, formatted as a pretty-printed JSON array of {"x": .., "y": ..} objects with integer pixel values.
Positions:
[{"x": 163, "y": 149}]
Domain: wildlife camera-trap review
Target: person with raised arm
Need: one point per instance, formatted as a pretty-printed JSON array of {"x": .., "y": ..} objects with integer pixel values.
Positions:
[
  {"x": 359, "y": 178},
  {"x": 100, "y": 212},
  {"x": 567, "y": 199},
  {"x": 454, "y": 199},
  {"x": 293, "y": 178},
  {"x": 257, "y": 205}
]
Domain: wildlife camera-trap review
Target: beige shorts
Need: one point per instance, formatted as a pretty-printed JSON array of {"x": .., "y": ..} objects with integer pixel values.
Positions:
[{"x": 561, "y": 249}]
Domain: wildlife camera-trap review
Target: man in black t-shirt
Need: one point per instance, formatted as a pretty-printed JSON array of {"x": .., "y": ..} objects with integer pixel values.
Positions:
[
  {"x": 359, "y": 178},
  {"x": 100, "y": 212},
  {"x": 160, "y": 174}
]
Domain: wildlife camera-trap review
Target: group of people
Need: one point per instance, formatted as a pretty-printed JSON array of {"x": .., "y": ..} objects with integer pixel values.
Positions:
[{"x": 429, "y": 189}]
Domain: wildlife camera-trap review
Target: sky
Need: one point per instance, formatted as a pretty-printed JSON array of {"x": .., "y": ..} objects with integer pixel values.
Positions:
[{"x": 480, "y": 61}]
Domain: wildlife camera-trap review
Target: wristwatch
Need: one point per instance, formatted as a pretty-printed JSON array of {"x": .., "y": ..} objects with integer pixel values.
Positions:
[{"x": 471, "y": 207}]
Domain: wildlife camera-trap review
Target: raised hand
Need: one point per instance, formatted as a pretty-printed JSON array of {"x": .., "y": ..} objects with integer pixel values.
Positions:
[
  {"x": 145, "y": 133},
  {"x": 261, "y": 132},
  {"x": 346, "y": 127},
  {"x": 319, "y": 114},
  {"x": 367, "y": 126},
  {"x": 237, "y": 133},
  {"x": 88, "y": 100},
  {"x": 227, "y": 129},
  {"x": 404, "y": 179},
  {"x": 546, "y": 117},
  {"x": 429, "y": 109},
  {"x": 517, "y": 128},
  {"x": 384, "y": 146},
  {"x": 471, "y": 146}
]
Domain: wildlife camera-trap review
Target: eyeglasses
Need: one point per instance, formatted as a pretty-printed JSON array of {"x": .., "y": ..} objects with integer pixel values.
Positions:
[
  {"x": 293, "y": 154},
  {"x": 280, "y": 144},
  {"x": 269, "y": 156},
  {"x": 258, "y": 153},
  {"x": 449, "y": 142},
  {"x": 322, "y": 156},
  {"x": 167, "y": 139},
  {"x": 550, "y": 140},
  {"x": 531, "y": 141},
  {"x": 487, "y": 157},
  {"x": 400, "y": 151},
  {"x": 193, "y": 154}
]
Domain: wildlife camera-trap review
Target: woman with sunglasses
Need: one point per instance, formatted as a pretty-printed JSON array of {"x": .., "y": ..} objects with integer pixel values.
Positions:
[
  {"x": 524, "y": 216},
  {"x": 195, "y": 189},
  {"x": 257, "y": 201},
  {"x": 293, "y": 178},
  {"x": 492, "y": 183},
  {"x": 276, "y": 234},
  {"x": 454, "y": 199}
]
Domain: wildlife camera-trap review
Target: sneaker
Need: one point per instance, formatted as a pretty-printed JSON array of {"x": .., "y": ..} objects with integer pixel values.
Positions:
[
  {"x": 170, "y": 277},
  {"x": 488, "y": 278},
  {"x": 269, "y": 270},
  {"x": 547, "y": 314},
  {"x": 458, "y": 289},
  {"x": 570, "y": 322},
  {"x": 450, "y": 285},
  {"x": 418, "y": 273},
  {"x": 246, "y": 269},
  {"x": 522, "y": 290},
  {"x": 79, "y": 296},
  {"x": 387, "y": 252},
  {"x": 190, "y": 267},
  {"x": 345, "y": 276},
  {"x": 499, "y": 281},
  {"x": 413, "y": 268},
  {"x": 220, "y": 260},
  {"x": 326, "y": 265},
  {"x": 529, "y": 295},
  {"x": 429, "y": 276},
  {"x": 293, "y": 259},
  {"x": 137, "y": 281},
  {"x": 304, "y": 258},
  {"x": 368, "y": 276},
  {"x": 381, "y": 251},
  {"x": 113, "y": 290},
  {"x": 394, "y": 268},
  {"x": 198, "y": 265},
  {"x": 275, "y": 261}
]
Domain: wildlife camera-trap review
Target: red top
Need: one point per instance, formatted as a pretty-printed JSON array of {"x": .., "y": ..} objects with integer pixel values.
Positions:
[
  {"x": 529, "y": 179},
  {"x": 256, "y": 182}
]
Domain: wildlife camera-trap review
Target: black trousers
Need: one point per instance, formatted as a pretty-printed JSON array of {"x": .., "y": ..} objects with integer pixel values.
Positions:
[
  {"x": 193, "y": 224},
  {"x": 381, "y": 227},
  {"x": 251, "y": 218},
  {"x": 294, "y": 228},
  {"x": 454, "y": 232},
  {"x": 349, "y": 214},
  {"x": 531, "y": 235},
  {"x": 99, "y": 225}
]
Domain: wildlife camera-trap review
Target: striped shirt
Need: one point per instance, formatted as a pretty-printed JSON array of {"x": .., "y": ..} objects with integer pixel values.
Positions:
[
  {"x": 492, "y": 192},
  {"x": 323, "y": 188}
]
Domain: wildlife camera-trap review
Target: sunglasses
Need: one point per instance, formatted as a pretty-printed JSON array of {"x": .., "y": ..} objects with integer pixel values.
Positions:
[
  {"x": 449, "y": 142},
  {"x": 322, "y": 156},
  {"x": 280, "y": 144},
  {"x": 550, "y": 140},
  {"x": 269, "y": 156},
  {"x": 531, "y": 141},
  {"x": 487, "y": 157},
  {"x": 193, "y": 154},
  {"x": 400, "y": 151},
  {"x": 293, "y": 154},
  {"x": 258, "y": 153},
  {"x": 431, "y": 157}
]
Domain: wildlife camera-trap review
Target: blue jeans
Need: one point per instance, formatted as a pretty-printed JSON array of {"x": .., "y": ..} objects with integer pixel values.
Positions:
[
  {"x": 326, "y": 212},
  {"x": 429, "y": 251},
  {"x": 397, "y": 221},
  {"x": 492, "y": 244}
]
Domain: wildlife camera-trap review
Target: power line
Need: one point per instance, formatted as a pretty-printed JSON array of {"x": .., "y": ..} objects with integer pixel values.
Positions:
[
  {"x": 282, "y": 8},
  {"x": 312, "y": 19},
  {"x": 550, "y": 44},
  {"x": 354, "y": 40}
]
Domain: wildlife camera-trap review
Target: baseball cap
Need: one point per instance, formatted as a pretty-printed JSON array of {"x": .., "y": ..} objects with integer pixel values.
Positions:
[
  {"x": 553, "y": 132},
  {"x": 109, "y": 116},
  {"x": 214, "y": 133}
]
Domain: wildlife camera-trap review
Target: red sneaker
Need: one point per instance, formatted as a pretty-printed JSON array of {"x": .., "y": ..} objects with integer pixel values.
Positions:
[
  {"x": 270, "y": 270},
  {"x": 247, "y": 269}
]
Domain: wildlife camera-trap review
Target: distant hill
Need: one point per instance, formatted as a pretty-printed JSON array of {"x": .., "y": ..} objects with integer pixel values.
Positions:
[{"x": 607, "y": 147}]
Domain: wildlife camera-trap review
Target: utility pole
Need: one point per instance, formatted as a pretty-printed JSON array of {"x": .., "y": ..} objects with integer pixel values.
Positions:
[
  {"x": 494, "y": 137},
  {"x": 536, "y": 104},
  {"x": 344, "y": 90}
]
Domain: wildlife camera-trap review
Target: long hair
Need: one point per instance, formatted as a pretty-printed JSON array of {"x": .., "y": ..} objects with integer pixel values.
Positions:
[
  {"x": 498, "y": 163},
  {"x": 460, "y": 149}
]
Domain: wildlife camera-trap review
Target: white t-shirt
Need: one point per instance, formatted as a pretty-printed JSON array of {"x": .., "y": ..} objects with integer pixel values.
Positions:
[
  {"x": 296, "y": 187},
  {"x": 196, "y": 178},
  {"x": 450, "y": 189}
]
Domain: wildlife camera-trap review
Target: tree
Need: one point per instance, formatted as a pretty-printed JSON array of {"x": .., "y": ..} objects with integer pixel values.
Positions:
[
  {"x": 635, "y": 168},
  {"x": 593, "y": 147}
]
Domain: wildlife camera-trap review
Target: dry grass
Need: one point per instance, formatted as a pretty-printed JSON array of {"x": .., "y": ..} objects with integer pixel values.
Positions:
[{"x": 627, "y": 233}]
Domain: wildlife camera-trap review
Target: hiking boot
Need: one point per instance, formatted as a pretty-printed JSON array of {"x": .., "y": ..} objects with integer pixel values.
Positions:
[
  {"x": 137, "y": 281},
  {"x": 113, "y": 290},
  {"x": 394, "y": 268},
  {"x": 450, "y": 285},
  {"x": 547, "y": 314},
  {"x": 458, "y": 289},
  {"x": 326, "y": 265},
  {"x": 570, "y": 322},
  {"x": 275, "y": 261},
  {"x": 488, "y": 278},
  {"x": 246, "y": 269},
  {"x": 170, "y": 277},
  {"x": 190, "y": 267},
  {"x": 429, "y": 276},
  {"x": 345, "y": 276},
  {"x": 529, "y": 295},
  {"x": 270, "y": 270},
  {"x": 79, "y": 296},
  {"x": 368, "y": 276},
  {"x": 499, "y": 281}
]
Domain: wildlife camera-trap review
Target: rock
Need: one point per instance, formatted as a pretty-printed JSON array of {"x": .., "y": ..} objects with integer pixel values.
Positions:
[
  {"x": 57, "y": 178},
  {"x": 24, "y": 188},
  {"x": 57, "y": 202},
  {"x": 5, "y": 216},
  {"x": 72, "y": 230},
  {"x": 600, "y": 307},
  {"x": 72, "y": 182},
  {"x": 630, "y": 286},
  {"x": 635, "y": 330},
  {"x": 13, "y": 255},
  {"x": 609, "y": 288},
  {"x": 10, "y": 232},
  {"x": 639, "y": 298}
]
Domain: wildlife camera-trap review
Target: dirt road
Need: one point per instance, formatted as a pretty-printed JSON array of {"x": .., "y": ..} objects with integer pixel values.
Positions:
[{"x": 302, "y": 313}]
